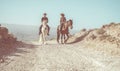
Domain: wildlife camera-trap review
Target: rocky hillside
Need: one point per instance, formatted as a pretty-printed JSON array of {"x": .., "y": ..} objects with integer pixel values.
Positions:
[
  {"x": 108, "y": 36},
  {"x": 7, "y": 42},
  {"x": 6, "y": 38}
]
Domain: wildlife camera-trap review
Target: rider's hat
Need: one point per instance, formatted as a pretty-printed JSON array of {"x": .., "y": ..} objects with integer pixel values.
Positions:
[
  {"x": 44, "y": 14},
  {"x": 62, "y": 14}
]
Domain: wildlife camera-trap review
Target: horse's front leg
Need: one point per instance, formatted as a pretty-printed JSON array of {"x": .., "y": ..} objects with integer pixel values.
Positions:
[
  {"x": 67, "y": 38},
  {"x": 41, "y": 38},
  {"x": 58, "y": 36},
  {"x": 44, "y": 38},
  {"x": 62, "y": 38}
]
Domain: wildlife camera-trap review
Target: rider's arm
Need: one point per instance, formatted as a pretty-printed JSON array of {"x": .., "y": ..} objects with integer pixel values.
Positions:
[
  {"x": 60, "y": 19},
  {"x": 42, "y": 19},
  {"x": 47, "y": 20}
]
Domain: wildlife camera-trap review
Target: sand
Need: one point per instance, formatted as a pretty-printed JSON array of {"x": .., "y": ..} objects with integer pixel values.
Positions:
[{"x": 31, "y": 56}]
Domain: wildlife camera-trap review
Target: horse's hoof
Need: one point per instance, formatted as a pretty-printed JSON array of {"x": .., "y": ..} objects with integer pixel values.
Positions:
[
  {"x": 58, "y": 43},
  {"x": 48, "y": 34},
  {"x": 45, "y": 43}
]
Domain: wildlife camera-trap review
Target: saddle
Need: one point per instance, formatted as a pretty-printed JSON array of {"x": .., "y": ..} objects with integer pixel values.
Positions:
[
  {"x": 62, "y": 27},
  {"x": 41, "y": 28}
]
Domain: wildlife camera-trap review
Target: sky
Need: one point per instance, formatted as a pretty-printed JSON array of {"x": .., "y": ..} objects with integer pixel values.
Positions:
[{"x": 84, "y": 13}]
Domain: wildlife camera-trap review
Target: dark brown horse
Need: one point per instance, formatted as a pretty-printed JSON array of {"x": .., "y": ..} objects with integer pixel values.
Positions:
[{"x": 63, "y": 31}]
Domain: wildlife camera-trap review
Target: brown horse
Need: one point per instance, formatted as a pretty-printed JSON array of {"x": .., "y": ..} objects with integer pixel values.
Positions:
[{"x": 63, "y": 31}]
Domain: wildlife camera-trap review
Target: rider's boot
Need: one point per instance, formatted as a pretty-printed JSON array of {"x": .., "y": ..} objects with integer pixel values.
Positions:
[{"x": 40, "y": 29}]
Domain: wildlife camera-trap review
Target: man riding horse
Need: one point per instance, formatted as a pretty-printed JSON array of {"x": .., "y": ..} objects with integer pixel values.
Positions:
[
  {"x": 44, "y": 18},
  {"x": 62, "y": 21},
  {"x": 63, "y": 29}
]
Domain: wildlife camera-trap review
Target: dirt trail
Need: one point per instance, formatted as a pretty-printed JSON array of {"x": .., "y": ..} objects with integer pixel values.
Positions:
[{"x": 57, "y": 57}]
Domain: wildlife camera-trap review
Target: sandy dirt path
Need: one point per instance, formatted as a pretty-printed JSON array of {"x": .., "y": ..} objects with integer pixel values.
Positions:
[{"x": 57, "y": 57}]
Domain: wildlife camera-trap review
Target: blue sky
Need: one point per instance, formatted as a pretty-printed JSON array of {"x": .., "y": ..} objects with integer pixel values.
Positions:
[{"x": 85, "y": 13}]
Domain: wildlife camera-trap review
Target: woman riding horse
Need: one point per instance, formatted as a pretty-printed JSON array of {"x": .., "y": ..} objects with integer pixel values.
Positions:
[{"x": 64, "y": 30}]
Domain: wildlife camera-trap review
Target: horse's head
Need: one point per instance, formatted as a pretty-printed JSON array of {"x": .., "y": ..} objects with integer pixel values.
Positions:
[{"x": 70, "y": 23}]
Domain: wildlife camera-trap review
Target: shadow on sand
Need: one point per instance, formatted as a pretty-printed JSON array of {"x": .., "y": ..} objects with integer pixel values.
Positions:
[
  {"x": 77, "y": 39},
  {"x": 14, "y": 50}
]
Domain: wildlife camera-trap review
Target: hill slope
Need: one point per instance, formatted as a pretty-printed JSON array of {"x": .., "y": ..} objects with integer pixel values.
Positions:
[{"x": 106, "y": 38}]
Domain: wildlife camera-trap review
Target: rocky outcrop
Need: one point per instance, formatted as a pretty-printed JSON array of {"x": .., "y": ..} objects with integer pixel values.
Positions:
[
  {"x": 6, "y": 39},
  {"x": 106, "y": 35}
]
